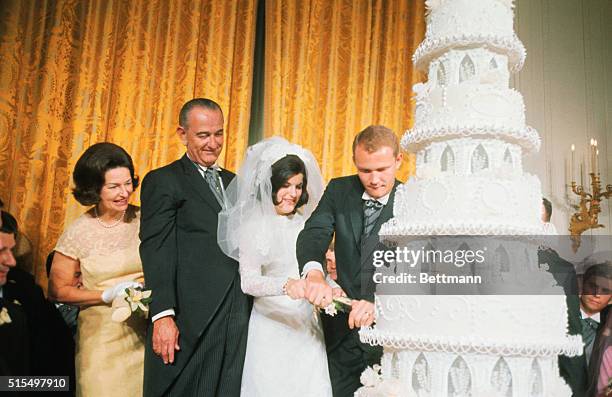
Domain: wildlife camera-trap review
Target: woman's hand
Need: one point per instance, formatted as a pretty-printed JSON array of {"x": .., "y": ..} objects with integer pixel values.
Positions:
[
  {"x": 295, "y": 289},
  {"x": 109, "y": 294}
]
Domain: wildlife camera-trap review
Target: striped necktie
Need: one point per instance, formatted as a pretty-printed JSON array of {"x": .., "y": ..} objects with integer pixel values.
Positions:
[
  {"x": 371, "y": 212},
  {"x": 589, "y": 331},
  {"x": 212, "y": 178}
]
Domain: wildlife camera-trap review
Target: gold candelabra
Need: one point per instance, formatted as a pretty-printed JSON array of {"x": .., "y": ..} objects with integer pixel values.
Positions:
[{"x": 588, "y": 209}]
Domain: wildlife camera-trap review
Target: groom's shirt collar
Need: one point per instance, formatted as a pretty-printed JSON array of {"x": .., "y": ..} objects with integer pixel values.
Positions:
[
  {"x": 596, "y": 316},
  {"x": 383, "y": 200}
]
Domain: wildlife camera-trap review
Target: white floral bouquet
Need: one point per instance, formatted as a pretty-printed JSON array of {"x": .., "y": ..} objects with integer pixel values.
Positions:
[
  {"x": 131, "y": 300},
  {"x": 4, "y": 316},
  {"x": 338, "y": 304}
]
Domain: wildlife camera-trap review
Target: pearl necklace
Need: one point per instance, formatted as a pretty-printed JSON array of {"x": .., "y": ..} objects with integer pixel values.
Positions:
[{"x": 118, "y": 221}]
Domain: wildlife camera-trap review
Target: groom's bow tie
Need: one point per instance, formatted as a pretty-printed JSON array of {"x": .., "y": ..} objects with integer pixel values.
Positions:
[{"x": 373, "y": 204}]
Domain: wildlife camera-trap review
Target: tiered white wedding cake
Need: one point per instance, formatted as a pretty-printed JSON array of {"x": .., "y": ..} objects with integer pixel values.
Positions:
[{"x": 470, "y": 136}]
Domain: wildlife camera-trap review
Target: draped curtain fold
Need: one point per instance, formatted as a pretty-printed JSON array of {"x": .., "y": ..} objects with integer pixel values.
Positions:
[
  {"x": 333, "y": 67},
  {"x": 74, "y": 73}
]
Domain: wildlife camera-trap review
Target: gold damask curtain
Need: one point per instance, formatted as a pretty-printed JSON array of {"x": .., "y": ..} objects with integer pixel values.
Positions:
[
  {"x": 73, "y": 73},
  {"x": 77, "y": 72},
  {"x": 333, "y": 67}
]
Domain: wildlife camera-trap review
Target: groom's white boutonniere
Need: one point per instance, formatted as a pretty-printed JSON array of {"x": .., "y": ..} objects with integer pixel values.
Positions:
[
  {"x": 4, "y": 316},
  {"x": 132, "y": 300}
]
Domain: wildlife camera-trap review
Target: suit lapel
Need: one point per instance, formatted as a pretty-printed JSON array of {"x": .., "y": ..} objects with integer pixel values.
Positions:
[
  {"x": 198, "y": 183},
  {"x": 226, "y": 177}
]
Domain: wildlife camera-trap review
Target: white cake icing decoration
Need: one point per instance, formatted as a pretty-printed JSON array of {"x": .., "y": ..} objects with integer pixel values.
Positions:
[{"x": 469, "y": 138}]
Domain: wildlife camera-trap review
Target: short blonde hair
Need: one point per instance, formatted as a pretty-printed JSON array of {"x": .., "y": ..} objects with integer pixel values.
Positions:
[{"x": 374, "y": 137}]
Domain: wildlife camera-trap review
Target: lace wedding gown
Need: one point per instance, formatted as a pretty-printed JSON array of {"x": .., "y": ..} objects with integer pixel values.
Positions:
[{"x": 285, "y": 349}]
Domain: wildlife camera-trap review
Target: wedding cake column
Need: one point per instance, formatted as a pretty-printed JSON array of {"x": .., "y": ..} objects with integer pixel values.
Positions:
[{"x": 470, "y": 137}]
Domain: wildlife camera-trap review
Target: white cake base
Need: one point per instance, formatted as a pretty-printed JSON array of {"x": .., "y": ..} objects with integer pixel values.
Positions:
[{"x": 411, "y": 373}]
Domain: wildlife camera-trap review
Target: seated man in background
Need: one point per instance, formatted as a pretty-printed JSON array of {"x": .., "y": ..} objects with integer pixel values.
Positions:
[
  {"x": 49, "y": 341},
  {"x": 14, "y": 335}
]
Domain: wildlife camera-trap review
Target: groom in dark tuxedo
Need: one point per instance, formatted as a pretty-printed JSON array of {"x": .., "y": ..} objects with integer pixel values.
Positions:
[
  {"x": 197, "y": 341},
  {"x": 353, "y": 208}
]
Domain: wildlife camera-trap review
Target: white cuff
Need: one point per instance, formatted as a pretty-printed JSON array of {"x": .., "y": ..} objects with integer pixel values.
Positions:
[
  {"x": 164, "y": 313},
  {"x": 312, "y": 265}
]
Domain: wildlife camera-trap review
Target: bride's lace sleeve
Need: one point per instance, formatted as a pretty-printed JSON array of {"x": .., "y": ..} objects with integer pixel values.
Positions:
[{"x": 254, "y": 283}]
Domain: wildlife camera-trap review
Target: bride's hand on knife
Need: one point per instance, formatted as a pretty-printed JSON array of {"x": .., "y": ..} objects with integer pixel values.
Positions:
[
  {"x": 318, "y": 292},
  {"x": 295, "y": 289}
]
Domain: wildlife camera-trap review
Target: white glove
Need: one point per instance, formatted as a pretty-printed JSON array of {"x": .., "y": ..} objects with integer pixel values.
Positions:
[{"x": 111, "y": 293}]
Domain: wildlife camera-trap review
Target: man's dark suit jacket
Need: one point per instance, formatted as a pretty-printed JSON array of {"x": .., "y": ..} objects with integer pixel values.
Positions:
[
  {"x": 572, "y": 369},
  {"x": 340, "y": 211},
  {"x": 51, "y": 346},
  {"x": 183, "y": 264},
  {"x": 14, "y": 341}
]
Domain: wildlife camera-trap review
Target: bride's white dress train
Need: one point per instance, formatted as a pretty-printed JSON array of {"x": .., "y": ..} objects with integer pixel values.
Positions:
[{"x": 285, "y": 348}]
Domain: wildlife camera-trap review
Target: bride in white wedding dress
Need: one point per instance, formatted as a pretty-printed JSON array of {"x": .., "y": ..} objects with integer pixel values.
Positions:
[{"x": 274, "y": 192}]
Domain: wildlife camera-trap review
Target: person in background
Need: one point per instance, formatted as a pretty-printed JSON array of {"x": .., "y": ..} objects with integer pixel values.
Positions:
[
  {"x": 546, "y": 215},
  {"x": 572, "y": 369},
  {"x": 330, "y": 262},
  {"x": 103, "y": 244},
  {"x": 47, "y": 350},
  {"x": 596, "y": 326},
  {"x": 14, "y": 333}
]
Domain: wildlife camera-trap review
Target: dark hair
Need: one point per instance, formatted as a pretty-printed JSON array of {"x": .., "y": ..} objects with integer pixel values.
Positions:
[
  {"x": 600, "y": 270},
  {"x": 88, "y": 175},
  {"x": 284, "y": 169},
  {"x": 204, "y": 103},
  {"x": 1, "y": 203},
  {"x": 547, "y": 208},
  {"x": 9, "y": 224}
]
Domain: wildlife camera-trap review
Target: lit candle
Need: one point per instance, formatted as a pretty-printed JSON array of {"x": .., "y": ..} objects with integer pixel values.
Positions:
[
  {"x": 592, "y": 147},
  {"x": 573, "y": 164},
  {"x": 581, "y": 175},
  {"x": 595, "y": 158}
]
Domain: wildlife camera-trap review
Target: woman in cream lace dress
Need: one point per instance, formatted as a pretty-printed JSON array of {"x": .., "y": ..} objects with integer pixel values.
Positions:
[{"x": 103, "y": 245}]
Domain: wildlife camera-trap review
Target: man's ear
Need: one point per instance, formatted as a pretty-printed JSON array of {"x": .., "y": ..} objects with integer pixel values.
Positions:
[
  {"x": 182, "y": 134},
  {"x": 398, "y": 160}
]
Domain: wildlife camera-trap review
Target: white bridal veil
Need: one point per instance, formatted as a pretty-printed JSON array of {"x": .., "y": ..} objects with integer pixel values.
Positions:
[{"x": 250, "y": 220}]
